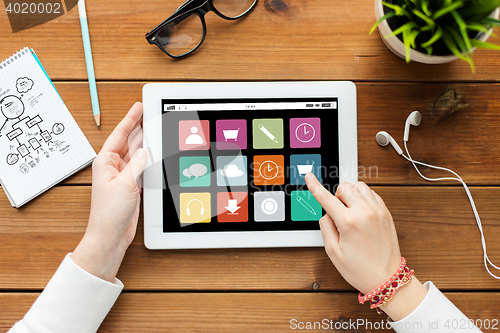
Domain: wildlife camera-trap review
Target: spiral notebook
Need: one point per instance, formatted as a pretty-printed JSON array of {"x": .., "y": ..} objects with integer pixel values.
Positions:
[{"x": 40, "y": 142}]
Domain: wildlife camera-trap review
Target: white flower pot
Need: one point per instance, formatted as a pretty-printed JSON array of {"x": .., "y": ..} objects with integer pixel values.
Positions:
[{"x": 398, "y": 48}]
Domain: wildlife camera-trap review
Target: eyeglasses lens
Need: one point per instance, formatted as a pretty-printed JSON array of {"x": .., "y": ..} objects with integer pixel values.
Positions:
[
  {"x": 182, "y": 35},
  {"x": 233, "y": 8}
]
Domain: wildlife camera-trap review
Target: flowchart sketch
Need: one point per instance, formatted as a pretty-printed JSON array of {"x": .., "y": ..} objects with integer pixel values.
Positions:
[
  {"x": 23, "y": 150},
  {"x": 14, "y": 134},
  {"x": 46, "y": 136},
  {"x": 34, "y": 143},
  {"x": 33, "y": 121}
]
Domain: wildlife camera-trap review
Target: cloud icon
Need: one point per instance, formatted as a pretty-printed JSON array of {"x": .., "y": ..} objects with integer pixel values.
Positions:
[
  {"x": 231, "y": 171},
  {"x": 24, "y": 84}
]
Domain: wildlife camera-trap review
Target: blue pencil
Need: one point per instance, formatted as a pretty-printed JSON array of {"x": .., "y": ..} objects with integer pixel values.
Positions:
[{"x": 89, "y": 61}]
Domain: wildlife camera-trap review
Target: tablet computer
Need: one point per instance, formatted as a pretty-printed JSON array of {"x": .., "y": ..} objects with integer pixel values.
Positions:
[{"x": 227, "y": 161}]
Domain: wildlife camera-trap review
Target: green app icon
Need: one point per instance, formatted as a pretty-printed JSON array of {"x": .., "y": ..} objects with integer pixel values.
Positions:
[
  {"x": 267, "y": 133},
  {"x": 194, "y": 171},
  {"x": 305, "y": 207}
]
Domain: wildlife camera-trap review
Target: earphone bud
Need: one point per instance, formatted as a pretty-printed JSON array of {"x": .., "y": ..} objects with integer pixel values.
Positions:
[
  {"x": 383, "y": 138},
  {"x": 413, "y": 119}
]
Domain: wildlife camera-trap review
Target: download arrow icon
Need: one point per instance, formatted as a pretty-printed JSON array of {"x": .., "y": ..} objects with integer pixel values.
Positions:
[{"x": 232, "y": 205}]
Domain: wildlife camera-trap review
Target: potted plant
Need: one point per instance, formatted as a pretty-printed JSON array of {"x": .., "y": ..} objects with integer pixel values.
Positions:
[{"x": 436, "y": 31}]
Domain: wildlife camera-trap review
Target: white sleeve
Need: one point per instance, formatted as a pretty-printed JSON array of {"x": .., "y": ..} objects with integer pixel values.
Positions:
[
  {"x": 436, "y": 314},
  {"x": 73, "y": 301}
]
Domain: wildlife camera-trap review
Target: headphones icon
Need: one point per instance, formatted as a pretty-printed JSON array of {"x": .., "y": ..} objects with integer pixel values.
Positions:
[{"x": 202, "y": 211}]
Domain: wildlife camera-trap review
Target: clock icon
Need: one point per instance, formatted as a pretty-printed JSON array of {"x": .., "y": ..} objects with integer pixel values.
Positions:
[
  {"x": 305, "y": 132},
  {"x": 268, "y": 170}
]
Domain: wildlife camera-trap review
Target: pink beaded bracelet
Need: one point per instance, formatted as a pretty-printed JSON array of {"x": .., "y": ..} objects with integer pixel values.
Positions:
[{"x": 384, "y": 293}]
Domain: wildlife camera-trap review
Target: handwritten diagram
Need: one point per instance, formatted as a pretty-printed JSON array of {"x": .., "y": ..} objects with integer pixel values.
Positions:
[{"x": 28, "y": 137}]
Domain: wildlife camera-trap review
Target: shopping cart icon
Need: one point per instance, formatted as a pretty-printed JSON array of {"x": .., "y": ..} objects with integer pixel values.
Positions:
[
  {"x": 231, "y": 134},
  {"x": 305, "y": 169}
]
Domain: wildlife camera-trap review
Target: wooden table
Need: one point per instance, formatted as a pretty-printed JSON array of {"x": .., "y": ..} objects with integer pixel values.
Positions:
[{"x": 250, "y": 290}]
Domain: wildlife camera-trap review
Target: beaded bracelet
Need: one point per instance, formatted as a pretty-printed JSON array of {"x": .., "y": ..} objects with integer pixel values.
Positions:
[{"x": 384, "y": 293}]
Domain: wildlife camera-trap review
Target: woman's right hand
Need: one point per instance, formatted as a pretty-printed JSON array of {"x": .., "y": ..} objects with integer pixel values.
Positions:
[{"x": 361, "y": 241}]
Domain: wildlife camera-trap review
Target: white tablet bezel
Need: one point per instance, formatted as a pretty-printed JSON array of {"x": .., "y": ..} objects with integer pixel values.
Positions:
[{"x": 155, "y": 238}]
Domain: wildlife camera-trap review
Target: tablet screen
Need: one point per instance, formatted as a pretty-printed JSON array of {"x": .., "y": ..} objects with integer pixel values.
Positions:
[{"x": 239, "y": 164}]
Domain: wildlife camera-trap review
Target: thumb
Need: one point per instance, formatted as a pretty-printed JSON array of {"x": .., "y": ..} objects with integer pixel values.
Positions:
[{"x": 135, "y": 166}]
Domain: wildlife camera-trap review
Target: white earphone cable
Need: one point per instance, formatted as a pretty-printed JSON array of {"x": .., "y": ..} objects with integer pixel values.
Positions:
[{"x": 473, "y": 205}]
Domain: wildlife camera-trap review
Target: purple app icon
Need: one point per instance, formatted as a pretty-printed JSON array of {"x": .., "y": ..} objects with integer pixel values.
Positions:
[
  {"x": 231, "y": 134},
  {"x": 305, "y": 132}
]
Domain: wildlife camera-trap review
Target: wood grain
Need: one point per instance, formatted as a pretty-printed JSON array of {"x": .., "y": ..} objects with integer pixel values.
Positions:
[
  {"x": 459, "y": 127},
  {"x": 436, "y": 229},
  {"x": 279, "y": 40},
  {"x": 242, "y": 312}
]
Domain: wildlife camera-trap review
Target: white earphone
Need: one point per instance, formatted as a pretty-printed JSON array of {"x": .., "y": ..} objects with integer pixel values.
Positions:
[
  {"x": 202, "y": 211},
  {"x": 383, "y": 138}
]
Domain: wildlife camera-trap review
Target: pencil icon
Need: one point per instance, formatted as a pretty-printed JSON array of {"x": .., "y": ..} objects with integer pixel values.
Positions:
[
  {"x": 267, "y": 133},
  {"x": 306, "y": 205}
]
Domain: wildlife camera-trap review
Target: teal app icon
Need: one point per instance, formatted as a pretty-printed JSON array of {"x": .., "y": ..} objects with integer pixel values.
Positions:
[
  {"x": 305, "y": 207},
  {"x": 194, "y": 171}
]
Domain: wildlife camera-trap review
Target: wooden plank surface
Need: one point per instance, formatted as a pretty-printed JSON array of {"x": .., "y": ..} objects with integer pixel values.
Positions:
[
  {"x": 279, "y": 40},
  {"x": 436, "y": 229},
  {"x": 459, "y": 127},
  {"x": 242, "y": 312}
]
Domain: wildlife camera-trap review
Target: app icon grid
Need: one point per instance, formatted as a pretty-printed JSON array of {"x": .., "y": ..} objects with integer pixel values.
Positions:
[{"x": 266, "y": 134}]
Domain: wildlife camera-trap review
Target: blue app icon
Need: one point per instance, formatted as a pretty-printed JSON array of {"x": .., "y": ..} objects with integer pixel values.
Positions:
[
  {"x": 302, "y": 164},
  {"x": 232, "y": 171}
]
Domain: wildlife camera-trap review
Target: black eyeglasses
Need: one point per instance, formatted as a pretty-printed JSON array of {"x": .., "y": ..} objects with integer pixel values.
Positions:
[{"x": 184, "y": 31}]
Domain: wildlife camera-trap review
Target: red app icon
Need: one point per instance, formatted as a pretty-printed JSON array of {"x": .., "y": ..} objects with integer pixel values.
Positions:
[
  {"x": 232, "y": 207},
  {"x": 194, "y": 135}
]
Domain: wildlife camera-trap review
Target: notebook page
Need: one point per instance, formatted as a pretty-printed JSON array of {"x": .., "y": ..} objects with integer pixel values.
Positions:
[{"x": 40, "y": 142}]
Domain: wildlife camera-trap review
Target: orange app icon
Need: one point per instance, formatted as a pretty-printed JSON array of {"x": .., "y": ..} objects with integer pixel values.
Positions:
[
  {"x": 232, "y": 207},
  {"x": 269, "y": 169}
]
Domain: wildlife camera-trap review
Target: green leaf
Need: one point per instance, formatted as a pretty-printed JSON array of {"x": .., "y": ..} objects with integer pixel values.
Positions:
[
  {"x": 477, "y": 27},
  {"x": 458, "y": 39},
  {"x": 400, "y": 11},
  {"x": 447, "y": 9},
  {"x": 463, "y": 30},
  {"x": 405, "y": 27},
  {"x": 451, "y": 44},
  {"x": 425, "y": 8},
  {"x": 406, "y": 41},
  {"x": 437, "y": 35},
  {"x": 475, "y": 12},
  {"x": 385, "y": 17},
  {"x": 453, "y": 48},
  {"x": 428, "y": 49},
  {"x": 412, "y": 36},
  {"x": 484, "y": 45},
  {"x": 490, "y": 21},
  {"x": 430, "y": 22}
]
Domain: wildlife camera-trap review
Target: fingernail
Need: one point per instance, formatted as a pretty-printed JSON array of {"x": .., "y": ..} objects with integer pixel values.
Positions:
[
  {"x": 309, "y": 176},
  {"x": 141, "y": 153}
]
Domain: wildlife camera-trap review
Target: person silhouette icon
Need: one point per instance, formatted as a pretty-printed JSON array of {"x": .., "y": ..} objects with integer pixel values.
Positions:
[
  {"x": 194, "y": 135},
  {"x": 194, "y": 139}
]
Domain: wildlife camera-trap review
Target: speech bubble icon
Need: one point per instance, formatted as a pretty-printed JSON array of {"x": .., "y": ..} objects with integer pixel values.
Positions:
[
  {"x": 186, "y": 173},
  {"x": 195, "y": 170},
  {"x": 24, "y": 84}
]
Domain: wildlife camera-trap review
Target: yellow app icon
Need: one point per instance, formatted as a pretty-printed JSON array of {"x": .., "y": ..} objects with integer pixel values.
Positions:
[{"x": 195, "y": 208}]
